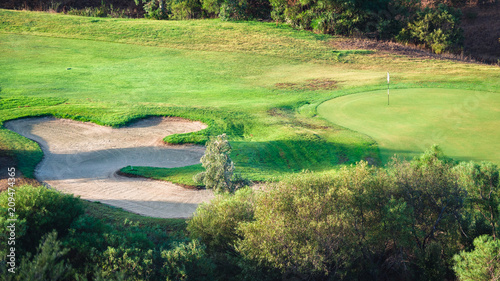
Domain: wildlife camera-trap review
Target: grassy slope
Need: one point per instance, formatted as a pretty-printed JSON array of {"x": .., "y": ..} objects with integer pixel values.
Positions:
[
  {"x": 463, "y": 123},
  {"x": 222, "y": 73}
]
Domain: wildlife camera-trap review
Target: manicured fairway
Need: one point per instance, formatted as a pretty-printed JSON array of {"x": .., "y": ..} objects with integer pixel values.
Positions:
[{"x": 465, "y": 124}]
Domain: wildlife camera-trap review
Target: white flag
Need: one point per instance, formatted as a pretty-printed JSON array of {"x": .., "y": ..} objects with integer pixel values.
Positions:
[{"x": 387, "y": 77}]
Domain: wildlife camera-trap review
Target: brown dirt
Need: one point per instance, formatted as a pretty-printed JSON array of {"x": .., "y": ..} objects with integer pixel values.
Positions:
[
  {"x": 83, "y": 158},
  {"x": 387, "y": 47},
  {"x": 311, "y": 85}
]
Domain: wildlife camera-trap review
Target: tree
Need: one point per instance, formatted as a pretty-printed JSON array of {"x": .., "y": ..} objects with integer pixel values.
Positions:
[
  {"x": 154, "y": 9},
  {"x": 219, "y": 174},
  {"x": 481, "y": 181},
  {"x": 482, "y": 263}
]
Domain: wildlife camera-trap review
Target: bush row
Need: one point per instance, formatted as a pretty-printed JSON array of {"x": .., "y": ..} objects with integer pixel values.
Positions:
[
  {"x": 427, "y": 219},
  {"x": 436, "y": 28},
  {"x": 405, "y": 21}
]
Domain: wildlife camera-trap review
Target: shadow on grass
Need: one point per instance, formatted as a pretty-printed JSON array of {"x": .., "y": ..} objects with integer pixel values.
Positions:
[{"x": 155, "y": 209}]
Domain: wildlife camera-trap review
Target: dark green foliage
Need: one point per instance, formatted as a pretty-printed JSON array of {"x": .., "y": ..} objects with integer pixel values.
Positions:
[
  {"x": 154, "y": 9},
  {"x": 431, "y": 190},
  {"x": 39, "y": 210},
  {"x": 481, "y": 181},
  {"x": 48, "y": 263},
  {"x": 101, "y": 12},
  {"x": 187, "y": 261},
  {"x": 324, "y": 226},
  {"x": 237, "y": 9},
  {"x": 380, "y": 18},
  {"x": 361, "y": 223},
  {"x": 480, "y": 264},
  {"x": 437, "y": 28},
  {"x": 134, "y": 263},
  {"x": 186, "y": 9},
  {"x": 215, "y": 224}
]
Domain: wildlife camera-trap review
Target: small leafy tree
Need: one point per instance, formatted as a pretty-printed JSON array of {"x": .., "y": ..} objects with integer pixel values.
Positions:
[{"x": 219, "y": 174}]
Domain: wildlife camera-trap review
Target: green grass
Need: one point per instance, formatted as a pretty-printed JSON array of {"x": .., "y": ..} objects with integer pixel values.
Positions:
[
  {"x": 463, "y": 123},
  {"x": 226, "y": 74},
  {"x": 117, "y": 216},
  {"x": 182, "y": 175}
]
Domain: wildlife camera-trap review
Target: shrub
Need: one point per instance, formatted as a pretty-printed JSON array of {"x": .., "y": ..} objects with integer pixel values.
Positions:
[
  {"x": 437, "y": 28},
  {"x": 481, "y": 181},
  {"x": 303, "y": 224},
  {"x": 153, "y": 9},
  {"x": 47, "y": 264},
  {"x": 237, "y": 9},
  {"x": 481, "y": 264},
  {"x": 134, "y": 263},
  {"x": 215, "y": 224},
  {"x": 186, "y": 9},
  {"x": 187, "y": 262},
  {"x": 39, "y": 211}
]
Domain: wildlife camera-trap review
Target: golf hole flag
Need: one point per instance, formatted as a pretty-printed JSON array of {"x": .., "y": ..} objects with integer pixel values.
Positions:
[{"x": 388, "y": 79}]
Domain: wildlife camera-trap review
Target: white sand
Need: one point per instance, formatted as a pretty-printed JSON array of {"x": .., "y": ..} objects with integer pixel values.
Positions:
[{"x": 83, "y": 158}]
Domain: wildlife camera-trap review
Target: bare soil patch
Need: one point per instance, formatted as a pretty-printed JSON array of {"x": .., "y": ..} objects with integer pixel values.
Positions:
[
  {"x": 311, "y": 85},
  {"x": 83, "y": 158},
  {"x": 388, "y": 47}
]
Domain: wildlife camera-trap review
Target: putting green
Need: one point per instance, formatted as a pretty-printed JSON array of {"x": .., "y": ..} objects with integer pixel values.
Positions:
[{"x": 465, "y": 124}]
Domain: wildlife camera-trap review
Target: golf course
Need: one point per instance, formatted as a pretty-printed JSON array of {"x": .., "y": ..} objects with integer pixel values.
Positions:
[
  {"x": 200, "y": 144},
  {"x": 259, "y": 84}
]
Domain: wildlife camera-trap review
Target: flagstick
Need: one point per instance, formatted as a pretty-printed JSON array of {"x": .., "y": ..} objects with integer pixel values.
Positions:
[{"x": 388, "y": 82}]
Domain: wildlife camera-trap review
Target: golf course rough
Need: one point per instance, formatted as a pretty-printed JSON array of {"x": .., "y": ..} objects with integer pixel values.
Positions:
[{"x": 463, "y": 123}]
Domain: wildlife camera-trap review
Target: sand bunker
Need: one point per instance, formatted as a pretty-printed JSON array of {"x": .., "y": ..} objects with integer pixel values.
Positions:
[{"x": 83, "y": 158}]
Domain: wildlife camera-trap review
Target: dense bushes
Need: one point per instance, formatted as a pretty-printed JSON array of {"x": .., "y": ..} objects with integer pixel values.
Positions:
[
  {"x": 38, "y": 211},
  {"x": 405, "y": 222},
  {"x": 215, "y": 223},
  {"x": 75, "y": 246},
  {"x": 436, "y": 28},
  {"x": 481, "y": 264}
]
